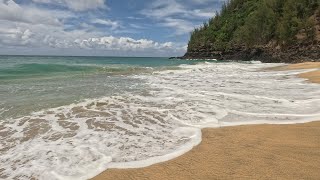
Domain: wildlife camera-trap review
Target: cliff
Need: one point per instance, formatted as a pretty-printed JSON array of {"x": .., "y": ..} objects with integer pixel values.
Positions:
[{"x": 267, "y": 30}]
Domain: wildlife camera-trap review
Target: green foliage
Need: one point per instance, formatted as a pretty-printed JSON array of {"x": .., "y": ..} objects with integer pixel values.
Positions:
[{"x": 251, "y": 23}]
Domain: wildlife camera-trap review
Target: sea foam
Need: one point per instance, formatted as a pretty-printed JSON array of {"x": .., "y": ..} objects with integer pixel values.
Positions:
[{"x": 79, "y": 141}]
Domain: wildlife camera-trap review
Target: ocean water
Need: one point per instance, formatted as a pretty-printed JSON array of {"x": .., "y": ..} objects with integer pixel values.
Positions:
[{"x": 74, "y": 117}]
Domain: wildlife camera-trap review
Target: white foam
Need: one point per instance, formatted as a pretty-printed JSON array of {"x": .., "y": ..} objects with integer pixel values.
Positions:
[
  {"x": 184, "y": 132},
  {"x": 80, "y": 140}
]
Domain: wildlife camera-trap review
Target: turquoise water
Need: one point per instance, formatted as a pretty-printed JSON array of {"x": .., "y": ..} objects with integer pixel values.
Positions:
[
  {"x": 21, "y": 67},
  {"x": 74, "y": 117},
  {"x": 33, "y": 83}
]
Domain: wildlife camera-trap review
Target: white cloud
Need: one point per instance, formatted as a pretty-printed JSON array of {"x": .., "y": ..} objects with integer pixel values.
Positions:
[
  {"x": 122, "y": 44},
  {"x": 136, "y": 26},
  {"x": 181, "y": 26},
  {"x": 204, "y": 13},
  {"x": 31, "y": 27},
  {"x": 164, "y": 8},
  {"x": 113, "y": 24},
  {"x": 17, "y": 37},
  {"x": 207, "y": 1},
  {"x": 167, "y": 8},
  {"x": 76, "y": 5},
  {"x": 177, "y": 15},
  {"x": 39, "y": 36},
  {"x": 13, "y": 12}
]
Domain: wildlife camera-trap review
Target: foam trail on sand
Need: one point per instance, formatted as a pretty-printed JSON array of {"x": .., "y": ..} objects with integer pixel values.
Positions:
[{"x": 163, "y": 121}]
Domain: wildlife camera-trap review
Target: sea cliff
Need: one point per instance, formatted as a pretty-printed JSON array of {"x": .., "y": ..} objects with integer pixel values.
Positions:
[{"x": 266, "y": 30}]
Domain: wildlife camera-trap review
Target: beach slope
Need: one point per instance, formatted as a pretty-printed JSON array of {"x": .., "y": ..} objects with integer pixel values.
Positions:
[{"x": 243, "y": 152}]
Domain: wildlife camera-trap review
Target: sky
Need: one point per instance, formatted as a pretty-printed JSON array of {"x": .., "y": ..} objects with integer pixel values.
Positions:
[{"x": 101, "y": 27}]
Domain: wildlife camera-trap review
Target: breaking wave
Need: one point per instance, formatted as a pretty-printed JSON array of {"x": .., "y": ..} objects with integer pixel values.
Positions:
[{"x": 161, "y": 122}]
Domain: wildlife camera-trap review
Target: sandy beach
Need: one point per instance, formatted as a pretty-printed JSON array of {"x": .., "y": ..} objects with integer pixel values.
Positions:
[
  {"x": 313, "y": 76},
  {"x": 244, "y": 152}
]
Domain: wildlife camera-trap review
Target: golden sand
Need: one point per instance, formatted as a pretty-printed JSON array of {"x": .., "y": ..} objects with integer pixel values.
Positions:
[
  {"x": 306, "y": 65},
  {"x": 243, "y": 152},
  {"x": 313, "y": 76}
]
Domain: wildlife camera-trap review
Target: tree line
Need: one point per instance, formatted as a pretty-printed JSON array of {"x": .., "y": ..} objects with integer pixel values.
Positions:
[{"x": 250, "y": 23}]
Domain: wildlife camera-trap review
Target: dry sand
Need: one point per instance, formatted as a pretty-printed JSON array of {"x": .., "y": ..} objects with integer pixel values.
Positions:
[{"x": 243, "y": 152}]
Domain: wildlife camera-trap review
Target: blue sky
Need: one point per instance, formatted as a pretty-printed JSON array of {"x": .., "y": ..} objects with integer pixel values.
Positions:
[{"x": 101, "y": 27}]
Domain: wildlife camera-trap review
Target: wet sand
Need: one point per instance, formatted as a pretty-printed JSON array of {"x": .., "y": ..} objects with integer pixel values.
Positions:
[
  {"x": 313, "y": 76},
  {"x": 243, "y": 152},
  {"x": 307, "y": 65}
]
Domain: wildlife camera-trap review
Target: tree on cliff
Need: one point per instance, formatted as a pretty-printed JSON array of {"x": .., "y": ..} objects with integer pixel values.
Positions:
[{"x": 252, "y": 23}]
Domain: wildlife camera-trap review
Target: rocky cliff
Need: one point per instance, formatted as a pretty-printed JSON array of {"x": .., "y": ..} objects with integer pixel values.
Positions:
[{"x": 272, "y": 44}]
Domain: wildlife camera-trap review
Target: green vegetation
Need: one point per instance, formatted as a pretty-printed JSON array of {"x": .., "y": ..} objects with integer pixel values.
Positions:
[{"x": 252, "y": 23}]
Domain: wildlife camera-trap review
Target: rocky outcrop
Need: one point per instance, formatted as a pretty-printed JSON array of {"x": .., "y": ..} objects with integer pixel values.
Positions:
[
  {"x": 292, "y": 54},
  {"x": 300, "y": 51}
]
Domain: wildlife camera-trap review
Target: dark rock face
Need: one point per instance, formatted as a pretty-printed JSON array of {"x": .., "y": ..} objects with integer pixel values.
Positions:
[
  {"x": 301, "y": 50},
  {"x": 293, "y": 54}
]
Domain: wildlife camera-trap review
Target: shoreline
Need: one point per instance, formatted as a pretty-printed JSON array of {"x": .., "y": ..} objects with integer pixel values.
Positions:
[{"x": 238, "y": 151}]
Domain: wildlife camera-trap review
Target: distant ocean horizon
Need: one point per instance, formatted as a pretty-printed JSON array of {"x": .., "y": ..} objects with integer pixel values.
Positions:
[
  {"x": 104, "y": 56},
  {"x": 71, "y": 117}
]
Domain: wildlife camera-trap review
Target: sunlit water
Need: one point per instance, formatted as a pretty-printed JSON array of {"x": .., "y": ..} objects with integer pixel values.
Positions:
[{"x": 73, "y": 117}]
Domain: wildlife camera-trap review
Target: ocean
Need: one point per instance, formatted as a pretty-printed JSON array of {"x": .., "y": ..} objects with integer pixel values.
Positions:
[{"x": 74, "y": 117}]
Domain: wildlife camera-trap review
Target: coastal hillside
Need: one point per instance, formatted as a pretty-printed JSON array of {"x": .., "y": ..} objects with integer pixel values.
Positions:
[{"x": 266, "y": 30}]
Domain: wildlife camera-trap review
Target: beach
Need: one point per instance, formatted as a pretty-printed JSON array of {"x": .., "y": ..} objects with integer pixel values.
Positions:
[
  {"x": 158, "y": 90},
  {"x": 244, "y": 152},
  {"x": 76, "y": 117}
]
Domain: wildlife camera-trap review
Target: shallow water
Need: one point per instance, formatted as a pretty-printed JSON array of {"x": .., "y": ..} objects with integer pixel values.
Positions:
[{"x": 76, "y": 121}]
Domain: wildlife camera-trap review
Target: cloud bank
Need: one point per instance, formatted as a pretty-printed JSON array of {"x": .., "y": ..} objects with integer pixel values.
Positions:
[{"x": 78, "y": 26}]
